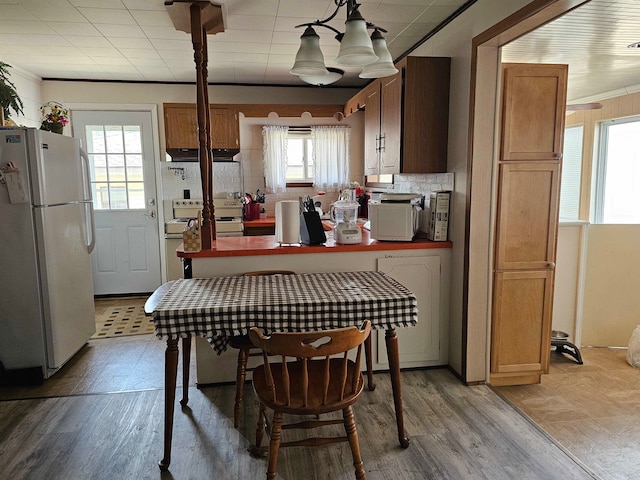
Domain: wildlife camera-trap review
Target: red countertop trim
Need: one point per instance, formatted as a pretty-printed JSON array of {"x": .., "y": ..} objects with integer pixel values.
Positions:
[{"x": 266, "y": 245}]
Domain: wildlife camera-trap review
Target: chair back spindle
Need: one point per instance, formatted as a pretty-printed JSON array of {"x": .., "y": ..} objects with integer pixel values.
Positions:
[{"x": 321, "y": 378}]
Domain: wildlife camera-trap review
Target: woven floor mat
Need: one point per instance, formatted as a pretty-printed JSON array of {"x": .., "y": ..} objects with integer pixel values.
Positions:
[{"x": 119, "y": 317}]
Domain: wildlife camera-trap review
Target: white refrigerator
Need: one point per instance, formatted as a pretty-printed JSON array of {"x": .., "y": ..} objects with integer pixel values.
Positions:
[{"x": 46, "y": 238}]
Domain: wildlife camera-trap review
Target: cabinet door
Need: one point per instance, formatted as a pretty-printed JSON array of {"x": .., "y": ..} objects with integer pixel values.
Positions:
[
  {"x": 521, "y": 326},
  {"x": 527, "y": 222},
  {"x": 372, "y": 131},
  {"x": 181, "y": 126},
  {"x": 390, "y": 123},
  {"x": 224, "y": 128},
  {"x": 419, "y": 344},
  {"x": 533, "y": 111}
]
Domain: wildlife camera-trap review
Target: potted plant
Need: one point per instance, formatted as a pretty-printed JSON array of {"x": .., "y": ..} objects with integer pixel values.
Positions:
[
  {"x": 54, "y": 117},
  {"x": 9, "y": 98}
]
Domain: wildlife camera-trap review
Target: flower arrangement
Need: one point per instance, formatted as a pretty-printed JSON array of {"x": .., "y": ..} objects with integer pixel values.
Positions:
[{"x": 54, "y": 117}]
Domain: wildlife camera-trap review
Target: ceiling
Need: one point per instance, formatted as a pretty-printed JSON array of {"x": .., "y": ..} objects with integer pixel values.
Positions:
[
  {"x": 135, "y": 40},
  {"x": 592, "y": 40}
]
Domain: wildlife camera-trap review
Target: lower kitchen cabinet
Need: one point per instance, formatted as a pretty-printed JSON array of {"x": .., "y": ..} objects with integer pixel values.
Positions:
[
  {"x": 423, "y": 344},
  {"x": 425, "y": 272}
]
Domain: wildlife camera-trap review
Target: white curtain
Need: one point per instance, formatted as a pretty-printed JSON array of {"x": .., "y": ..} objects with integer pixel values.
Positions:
[
  {"x": 331, "y": 156},
  {"x": 275, "y": 157}
]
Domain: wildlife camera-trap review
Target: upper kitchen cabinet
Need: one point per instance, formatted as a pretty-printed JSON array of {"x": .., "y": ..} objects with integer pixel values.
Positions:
[
  {"x": 406, "y": 118},
  {"x": 181, "y": 126}
]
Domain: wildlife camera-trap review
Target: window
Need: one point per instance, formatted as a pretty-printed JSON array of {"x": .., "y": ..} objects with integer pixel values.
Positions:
[
  {"x": 299, "y": 158},
  {"x": 571, "y": 174},
  {"x": 319, "y": 155},
  {"x": 115, "y": 156},
  {"x": 617, "y": 196}
]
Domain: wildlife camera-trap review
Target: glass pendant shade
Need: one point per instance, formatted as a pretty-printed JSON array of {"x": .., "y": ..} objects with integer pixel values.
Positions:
[
  {"x": 356, "y": 48},
  {"x": 383, "y": 67},
  {"x": 309, "y": 59},
  {"x": 333, "y": 75}
]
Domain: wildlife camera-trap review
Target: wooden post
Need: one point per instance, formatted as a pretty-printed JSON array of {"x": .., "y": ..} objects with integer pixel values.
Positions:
[
  {"x": 199, "y": 39},
  {"x": 200, "y": 18}
]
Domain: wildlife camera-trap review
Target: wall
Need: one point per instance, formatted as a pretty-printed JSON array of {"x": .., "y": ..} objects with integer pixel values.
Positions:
[
  {"x": 454, "y": 41},
  {"x": 567, "y": 285},
  {"x": 611, "y": 307},
  {"x": 611, "y": 300},
  {"x": 226, "y": 177},
  {"x": 252, "y": 156}
]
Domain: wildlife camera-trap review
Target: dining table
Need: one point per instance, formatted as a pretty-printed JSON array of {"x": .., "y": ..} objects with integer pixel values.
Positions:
[{"x": 217, "y": 308}]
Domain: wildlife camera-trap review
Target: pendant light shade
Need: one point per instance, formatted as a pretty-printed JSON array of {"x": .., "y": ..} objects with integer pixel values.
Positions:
[
  {"x": 356, "y": 47},
  {"x": 309, "y": 59},
  {"x": 333, "y": 75},
  {"x": 383, "y": 67}
]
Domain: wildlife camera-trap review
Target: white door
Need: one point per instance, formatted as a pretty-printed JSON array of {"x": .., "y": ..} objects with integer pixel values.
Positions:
[{"x": 126, "y": 258}]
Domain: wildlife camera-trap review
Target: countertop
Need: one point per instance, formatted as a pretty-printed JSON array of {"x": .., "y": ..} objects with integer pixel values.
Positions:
[{"x": 267, "y": 245}]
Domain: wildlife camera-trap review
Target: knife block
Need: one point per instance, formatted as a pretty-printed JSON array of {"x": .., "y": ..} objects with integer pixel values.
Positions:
[{"x": 311, "y": 231}]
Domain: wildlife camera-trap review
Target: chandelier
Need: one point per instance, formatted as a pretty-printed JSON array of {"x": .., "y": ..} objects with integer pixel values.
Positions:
[{"x": 356, "y": 49}]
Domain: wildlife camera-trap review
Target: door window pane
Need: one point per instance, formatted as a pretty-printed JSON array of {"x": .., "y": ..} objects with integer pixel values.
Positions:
[{"x": 115, "y": 157}]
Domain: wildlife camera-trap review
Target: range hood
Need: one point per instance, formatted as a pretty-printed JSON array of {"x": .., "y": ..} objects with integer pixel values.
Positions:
[{"x": 191, "y": 154}]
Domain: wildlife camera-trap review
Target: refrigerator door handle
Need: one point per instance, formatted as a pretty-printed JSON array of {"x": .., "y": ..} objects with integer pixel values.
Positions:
[{"x": 88, "y": 202}]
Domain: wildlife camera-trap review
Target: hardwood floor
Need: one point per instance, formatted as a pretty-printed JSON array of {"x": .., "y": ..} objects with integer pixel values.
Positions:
[
  {"x": 593, "y": 410},
  {"x": 101, "y": 417}
]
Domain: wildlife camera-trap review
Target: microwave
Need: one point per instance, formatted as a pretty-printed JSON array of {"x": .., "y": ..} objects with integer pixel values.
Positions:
[{"x": 394, "y": 221}]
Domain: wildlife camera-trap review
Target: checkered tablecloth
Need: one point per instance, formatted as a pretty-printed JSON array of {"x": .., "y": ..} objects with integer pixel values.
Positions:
[{"x": 216, "y": 308}]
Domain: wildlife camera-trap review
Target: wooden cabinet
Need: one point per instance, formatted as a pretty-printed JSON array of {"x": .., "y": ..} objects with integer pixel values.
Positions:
[
  {"x": 527, "y": 215},
  {"x": 533, "y": 104},
  {"x": 372, "y": 130},
  {"x": 407, "y": 118},
  {"x": 225, "y": 128},
  {"x": 389, "y": 143},
  {"x": 521, "y": 332},
  {"x": 181, "y": 126}
]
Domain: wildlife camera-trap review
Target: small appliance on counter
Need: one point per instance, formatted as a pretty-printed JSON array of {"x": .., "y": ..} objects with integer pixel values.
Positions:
[
  {"x": 344, "y": 213},
  {"x": 395, "y": 217}
]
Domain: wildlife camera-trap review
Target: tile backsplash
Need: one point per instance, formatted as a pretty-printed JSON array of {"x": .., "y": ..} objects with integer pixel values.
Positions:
[{"x": 423, "y": 183}]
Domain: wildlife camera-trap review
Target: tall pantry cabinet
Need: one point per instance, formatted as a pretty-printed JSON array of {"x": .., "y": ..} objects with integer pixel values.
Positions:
[{"x": 531, "y": 141}]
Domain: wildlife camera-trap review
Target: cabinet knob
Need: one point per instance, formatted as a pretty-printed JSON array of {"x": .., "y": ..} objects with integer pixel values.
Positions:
[{"x": 551, "y": 265}]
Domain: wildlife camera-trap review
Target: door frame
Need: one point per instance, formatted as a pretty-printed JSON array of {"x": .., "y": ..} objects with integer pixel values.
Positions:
[
  {"x": 482, "y": 155},
  {"x": 152, "y": 108}
]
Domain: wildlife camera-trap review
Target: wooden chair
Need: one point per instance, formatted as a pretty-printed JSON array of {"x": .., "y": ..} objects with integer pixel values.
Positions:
[
  {"x": 311, "y": 383},
  {"x": 245, "y": 350}
]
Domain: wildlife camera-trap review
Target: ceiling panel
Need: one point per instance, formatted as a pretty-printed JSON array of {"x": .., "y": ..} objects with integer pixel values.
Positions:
[
  {"x": 592, "y": 40},
  {"x": 260, "y": 40}
]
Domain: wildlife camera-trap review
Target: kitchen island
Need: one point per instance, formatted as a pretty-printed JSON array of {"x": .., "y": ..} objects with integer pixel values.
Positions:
[{"x": 421, "y": 265}]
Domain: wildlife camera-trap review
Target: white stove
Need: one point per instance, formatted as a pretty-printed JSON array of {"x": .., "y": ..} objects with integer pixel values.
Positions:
[{"x": 228, "y": 216}]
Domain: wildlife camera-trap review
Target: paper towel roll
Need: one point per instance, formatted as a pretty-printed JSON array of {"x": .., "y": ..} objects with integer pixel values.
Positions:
[{"x": 288, "y": 222}]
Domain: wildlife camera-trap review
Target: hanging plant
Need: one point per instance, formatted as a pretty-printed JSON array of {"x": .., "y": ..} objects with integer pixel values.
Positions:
[{"x": 9, "y": 98}]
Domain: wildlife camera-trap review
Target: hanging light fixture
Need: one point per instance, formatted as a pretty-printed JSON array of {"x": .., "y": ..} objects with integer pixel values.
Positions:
[
  {"x": 332, "y": 76},
  {"x": 383, "y": 67},
  {"x": 356, "y": 49}
]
